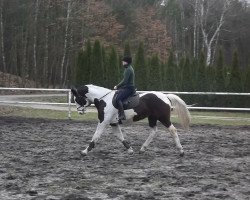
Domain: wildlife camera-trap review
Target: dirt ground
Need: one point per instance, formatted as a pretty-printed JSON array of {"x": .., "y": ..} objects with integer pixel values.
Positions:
[{"x": 39, "y": 159}]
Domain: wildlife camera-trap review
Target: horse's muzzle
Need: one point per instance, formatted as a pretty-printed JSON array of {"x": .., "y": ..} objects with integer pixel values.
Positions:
[{"x": 81, "y": 110}]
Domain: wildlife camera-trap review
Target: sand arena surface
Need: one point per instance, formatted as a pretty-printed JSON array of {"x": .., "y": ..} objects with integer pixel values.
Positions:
[{"x": 40, "y": 160}]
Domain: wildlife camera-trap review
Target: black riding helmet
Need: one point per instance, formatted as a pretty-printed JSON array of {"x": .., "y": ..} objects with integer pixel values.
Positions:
[{"x": 127, "y": 59}]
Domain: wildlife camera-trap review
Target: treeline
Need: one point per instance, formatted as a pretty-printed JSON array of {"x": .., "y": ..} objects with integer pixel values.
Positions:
[
  {"x": 102, "y": 66},
  {"x": 40, "y": 40}
]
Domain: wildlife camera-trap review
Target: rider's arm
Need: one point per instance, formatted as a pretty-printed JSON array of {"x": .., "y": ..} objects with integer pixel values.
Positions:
[{"x": 125, "y": 80}]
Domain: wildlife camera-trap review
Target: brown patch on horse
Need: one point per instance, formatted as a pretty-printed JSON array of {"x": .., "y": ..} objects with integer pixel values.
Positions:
[
  {"x": 154, "y": 108},
  {"x": 100, "y": 105}
]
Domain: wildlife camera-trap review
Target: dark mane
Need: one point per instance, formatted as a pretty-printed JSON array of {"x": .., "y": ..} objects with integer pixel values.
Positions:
[{"x": 82, "y": 90}]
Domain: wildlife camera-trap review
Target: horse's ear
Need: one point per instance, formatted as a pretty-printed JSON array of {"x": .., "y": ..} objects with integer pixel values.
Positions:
[{"x": 74, "y": 91}]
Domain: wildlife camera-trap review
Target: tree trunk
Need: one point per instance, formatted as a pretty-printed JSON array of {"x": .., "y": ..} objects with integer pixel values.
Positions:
[
  {"x": 195, "y": 29},
  {"x": 35, "y": 42},
  {"x": 209, "y": 42},
  {"x": 2, "y": 37},
  {"x": 65, "y": 42},
  {"x": 46, "y": 53},
  {"x": 24, "y": 70}
]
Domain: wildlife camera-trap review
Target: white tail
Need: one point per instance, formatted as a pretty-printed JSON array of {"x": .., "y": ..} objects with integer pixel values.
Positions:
[{"x": 180, "y": 107}]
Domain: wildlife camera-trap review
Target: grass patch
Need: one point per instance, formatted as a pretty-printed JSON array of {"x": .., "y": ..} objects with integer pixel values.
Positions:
[
  {"x": 44, "y": 113},
  {"x": 213, "y": 118},
  {"x": 51, "y": 99}
]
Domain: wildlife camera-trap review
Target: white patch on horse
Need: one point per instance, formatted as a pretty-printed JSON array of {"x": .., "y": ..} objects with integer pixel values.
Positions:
[
  {"x": 130, "y": 114},
  {"x": 161, "y": 96}
]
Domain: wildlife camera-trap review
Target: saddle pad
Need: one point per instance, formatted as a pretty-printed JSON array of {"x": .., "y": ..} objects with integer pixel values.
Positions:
[{"x": 128, "y": 103}]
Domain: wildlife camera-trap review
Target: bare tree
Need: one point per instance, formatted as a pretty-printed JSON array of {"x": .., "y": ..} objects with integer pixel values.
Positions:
[
  {"x": 2, "y": 36},
  {"x": 35, "y": 40},
  {"x": 66, "y": 39},
  {"x": 46, "y": 46},
  {"x": 210, "y": 31},
  {"x": 195, "y": 28}
]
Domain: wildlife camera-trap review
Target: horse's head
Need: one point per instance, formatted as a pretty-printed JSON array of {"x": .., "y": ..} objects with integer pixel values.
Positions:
[{"x": 80, "y": 98}]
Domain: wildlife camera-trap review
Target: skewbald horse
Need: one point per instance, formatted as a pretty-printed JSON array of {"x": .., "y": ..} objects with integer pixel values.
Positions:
[{"x": 155, "y": 106}]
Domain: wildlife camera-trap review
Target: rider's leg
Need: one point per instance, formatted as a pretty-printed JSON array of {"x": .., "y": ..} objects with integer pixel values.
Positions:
[
  {"x": 121, "y": 110},
  {"x": 122, "y": 95}
]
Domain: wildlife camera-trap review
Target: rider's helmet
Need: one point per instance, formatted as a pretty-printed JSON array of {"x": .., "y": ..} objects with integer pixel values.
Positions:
[{"x": 127, "y": 59}]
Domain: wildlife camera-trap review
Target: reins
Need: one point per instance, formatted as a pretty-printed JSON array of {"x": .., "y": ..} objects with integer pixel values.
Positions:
[{"x": 105, "y": 95}]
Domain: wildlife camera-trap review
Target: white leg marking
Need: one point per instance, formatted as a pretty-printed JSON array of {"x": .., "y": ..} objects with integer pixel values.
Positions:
[
  {"x": 84, "y": 152},
  {"x": 175, "y": 136},
  {"x": 149, "y": 139},
  {"x": 117, "y": 131},
  {"x": 99, "y": 130}
]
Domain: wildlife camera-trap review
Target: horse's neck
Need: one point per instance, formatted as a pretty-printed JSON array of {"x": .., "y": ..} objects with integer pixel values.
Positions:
[{"x": 96, "y": 92}]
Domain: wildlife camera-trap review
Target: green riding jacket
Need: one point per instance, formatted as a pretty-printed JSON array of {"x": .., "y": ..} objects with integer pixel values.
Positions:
[{"x": 128, "y": 78}]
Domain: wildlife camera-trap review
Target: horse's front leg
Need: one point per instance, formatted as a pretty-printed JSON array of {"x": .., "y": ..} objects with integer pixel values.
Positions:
[
  {"x": 99, "y": 130},
  {"x": 116, "y": 129}
]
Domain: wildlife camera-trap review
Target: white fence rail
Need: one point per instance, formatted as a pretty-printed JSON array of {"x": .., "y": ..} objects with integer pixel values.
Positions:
[{"x": 68, "y": 92}]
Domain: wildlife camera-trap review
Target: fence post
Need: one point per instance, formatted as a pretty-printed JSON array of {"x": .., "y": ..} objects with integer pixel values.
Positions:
[{"x": 69, "y": 104}]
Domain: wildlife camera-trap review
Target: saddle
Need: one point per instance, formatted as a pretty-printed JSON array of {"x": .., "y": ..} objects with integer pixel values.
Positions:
[{"x": 129, "y": 103}]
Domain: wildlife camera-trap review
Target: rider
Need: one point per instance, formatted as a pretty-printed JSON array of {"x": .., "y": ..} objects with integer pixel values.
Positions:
[{"x": 126, "y": 87}]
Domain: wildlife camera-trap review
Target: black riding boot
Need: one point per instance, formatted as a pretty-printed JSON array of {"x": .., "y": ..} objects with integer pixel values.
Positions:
[{"x": 121, "y": 113}]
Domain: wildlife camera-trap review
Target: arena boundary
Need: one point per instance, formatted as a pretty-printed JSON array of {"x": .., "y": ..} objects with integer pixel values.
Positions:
[{"x": 69, "y": 104}]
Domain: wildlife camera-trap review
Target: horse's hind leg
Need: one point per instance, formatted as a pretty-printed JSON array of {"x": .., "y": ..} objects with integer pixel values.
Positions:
[
  {"x": 152, "y": 123},
  {"x": 173, "y": 132},
  {"x": 116, "y": 129},
  {"x": 175, "y": 136}
]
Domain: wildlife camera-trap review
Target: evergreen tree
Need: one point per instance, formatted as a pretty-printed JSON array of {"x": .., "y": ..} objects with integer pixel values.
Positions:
[
  {"x": 105, "y": 67},
  {"x": 154, "y": 79},
  {"x": 97, "y": 67},
  {"x": 140, "y": 68},
  {"x": 186, "y": 76},
  {"x": 219, "y": 75},
  {"x": 169, "y": 74},
  {"x": 247, "y": 82},
  {"x": 247, "y": 87},
  {"x": 127, "y": 49},
  {"x": 79, "y": 76},
  {"x": 88, "y": 63},
  {"x": 113, "y": 68},
  {"x": 235, "y": 83},
  {"x": 179, "y": 74},
  {"x": 201, "y": 74},
  {"x": 235, "y": 79},
  {"x": 83, "y": 72}
]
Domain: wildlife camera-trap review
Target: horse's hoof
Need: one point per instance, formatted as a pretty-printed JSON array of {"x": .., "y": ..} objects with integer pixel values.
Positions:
[
  {"x": 142, "y": 150},
  {"x": 83, "y": 153},
  {"x": 130, "y": 151},
  {"x": 181, "y": 154}
]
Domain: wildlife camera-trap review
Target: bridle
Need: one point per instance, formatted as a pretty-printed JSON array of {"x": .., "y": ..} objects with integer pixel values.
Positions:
[{"x": 82, "y": 108}]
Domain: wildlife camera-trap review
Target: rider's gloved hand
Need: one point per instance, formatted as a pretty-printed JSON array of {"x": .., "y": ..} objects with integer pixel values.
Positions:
[{"x": 115, "y": 88}]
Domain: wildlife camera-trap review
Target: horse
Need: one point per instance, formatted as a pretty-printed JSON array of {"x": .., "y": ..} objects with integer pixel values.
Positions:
[{"x": 156, "y": 106}]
